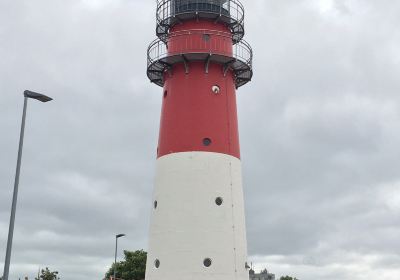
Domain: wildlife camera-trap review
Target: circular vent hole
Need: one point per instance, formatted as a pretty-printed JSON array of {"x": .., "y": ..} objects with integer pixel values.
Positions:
[
  {"x": 207, "y": 262},
  {"x": 207, "y": 142},
  {"x": 165, "y": 94},
  {"x": 219, "y": 201},
  {"x": 157, "y": 263},
  {"x": 155, "y": 204}
]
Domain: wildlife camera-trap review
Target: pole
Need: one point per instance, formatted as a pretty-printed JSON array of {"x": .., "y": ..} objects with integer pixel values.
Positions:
[
  {"x": 115, "y": 261},
  {"x": 15, "y": 195}
]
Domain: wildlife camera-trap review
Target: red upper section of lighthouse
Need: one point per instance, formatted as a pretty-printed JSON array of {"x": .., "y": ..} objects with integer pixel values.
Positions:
[
  {"x": 200, "y": 61},
  {"x": 199, "y": 105},
  {"x": 192, "y": 113}
]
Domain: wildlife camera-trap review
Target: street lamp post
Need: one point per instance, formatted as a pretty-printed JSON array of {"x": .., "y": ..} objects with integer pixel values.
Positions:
[
  {"x": 42, "y": 98},
  {"x": 116, "y": 250}
]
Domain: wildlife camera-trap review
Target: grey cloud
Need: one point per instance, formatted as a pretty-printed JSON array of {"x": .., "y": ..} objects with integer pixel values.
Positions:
[{"x": 319, "y": 133}]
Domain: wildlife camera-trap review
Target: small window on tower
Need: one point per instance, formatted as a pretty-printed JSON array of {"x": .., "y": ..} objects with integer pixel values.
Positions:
[
  {"x": 157, "y": 263},
  {"x": 207, "y": 262},
  {"x": 206, "y": 37},
  {"x": 165, "y": 94},
  {"x": 207, "y": 142}
]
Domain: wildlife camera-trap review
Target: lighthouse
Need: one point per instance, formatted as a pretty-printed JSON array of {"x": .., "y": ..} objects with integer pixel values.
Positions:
[{"x": 197, "y": 227}]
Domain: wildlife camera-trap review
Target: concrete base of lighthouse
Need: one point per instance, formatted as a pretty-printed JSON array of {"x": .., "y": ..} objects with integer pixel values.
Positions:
[{"x": 197, "y": 229}]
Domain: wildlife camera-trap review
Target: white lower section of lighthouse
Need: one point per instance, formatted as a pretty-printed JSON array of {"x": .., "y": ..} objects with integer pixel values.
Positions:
[{"x": 197, "y": 229}]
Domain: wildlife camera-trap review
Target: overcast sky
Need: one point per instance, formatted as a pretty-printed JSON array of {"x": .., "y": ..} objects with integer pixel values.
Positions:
[{"x": 320, "y": 135}]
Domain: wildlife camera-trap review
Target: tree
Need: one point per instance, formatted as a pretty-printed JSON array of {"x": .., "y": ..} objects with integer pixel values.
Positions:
[
  {"x": 132, "y": 268},
  {"x": 288, "y": 278},
  {"x": 46, "y": 274}
]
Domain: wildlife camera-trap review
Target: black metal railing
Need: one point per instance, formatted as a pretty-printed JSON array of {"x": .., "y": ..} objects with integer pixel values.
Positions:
[
  {"x": 240, "y": 59},
  {"x": 212, "y": 6},
  {"x": 230, "y": 12}
]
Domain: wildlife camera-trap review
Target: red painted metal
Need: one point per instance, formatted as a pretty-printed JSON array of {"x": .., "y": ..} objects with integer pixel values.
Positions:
[
  {"x": 200, "y": 25},
  {"x": 190, "y": 38},
  {"x": 191, "y": 111}
]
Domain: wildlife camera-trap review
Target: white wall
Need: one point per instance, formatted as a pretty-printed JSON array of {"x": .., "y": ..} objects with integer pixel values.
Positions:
[{"x": 188, "y": 226}]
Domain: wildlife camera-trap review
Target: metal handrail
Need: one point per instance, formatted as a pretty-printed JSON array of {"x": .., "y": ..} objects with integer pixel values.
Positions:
[
  {"x": 158, "y": 49},
  {"x": 168, "y": 10}
]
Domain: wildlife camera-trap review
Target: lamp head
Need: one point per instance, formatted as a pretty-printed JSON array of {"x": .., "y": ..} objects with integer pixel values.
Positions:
[
  {"x": 37, "y": 96},
  {"x": 120, "y": 235}
]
